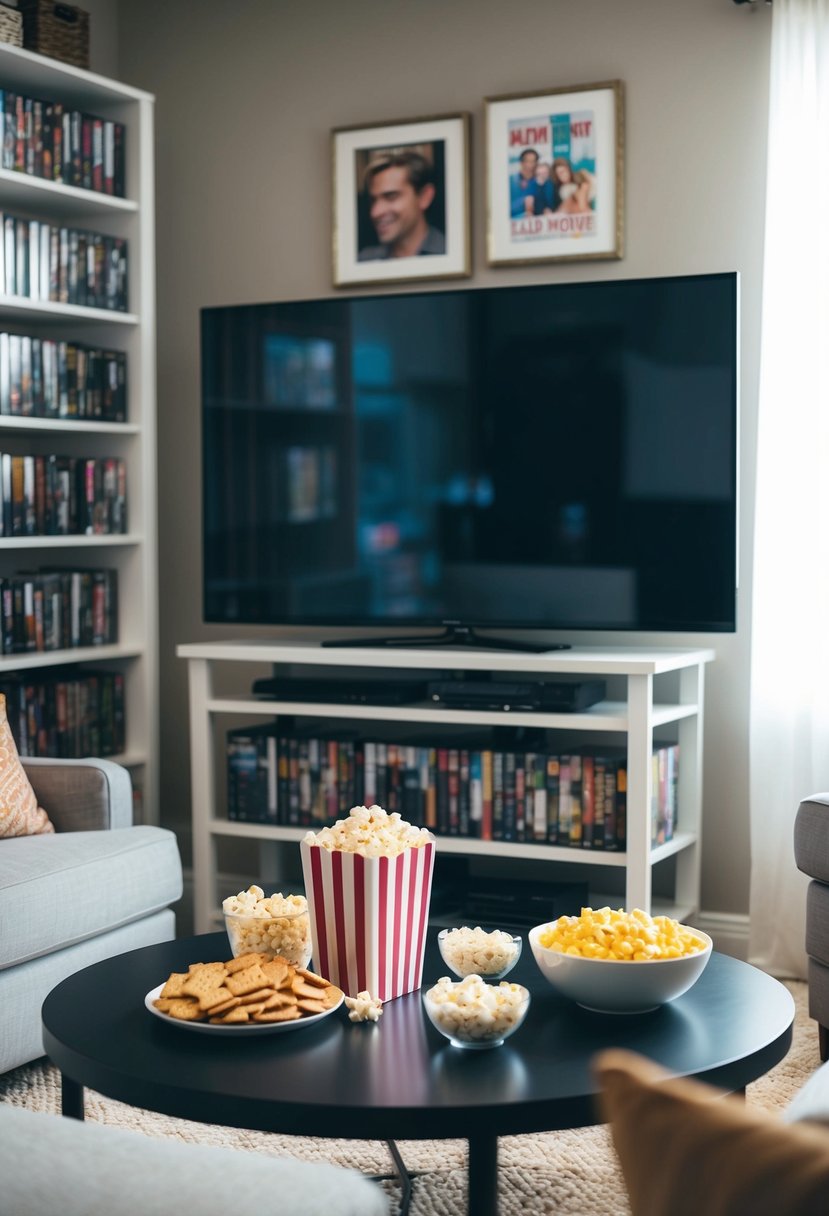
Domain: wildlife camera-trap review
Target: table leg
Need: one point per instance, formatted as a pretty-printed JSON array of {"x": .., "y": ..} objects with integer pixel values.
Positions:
[
  {"x": 71, "y": 1098},
  {"x": 483, "y": 1175}
]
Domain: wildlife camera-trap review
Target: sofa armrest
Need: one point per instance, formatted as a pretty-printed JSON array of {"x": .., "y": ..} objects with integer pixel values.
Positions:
[
  {"x": 81, "y": 795},
  {"x": 811, "y": 837}
]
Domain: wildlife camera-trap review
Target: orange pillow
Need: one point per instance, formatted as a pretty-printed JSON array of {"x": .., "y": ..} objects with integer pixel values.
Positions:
[
  {"x": 19, "y": 813},
  {"x": 686, "y": 1148}
]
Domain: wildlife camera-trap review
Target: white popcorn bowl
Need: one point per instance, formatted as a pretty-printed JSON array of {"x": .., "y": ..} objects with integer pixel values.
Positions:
[
  {"x": 287, "y": 935},
  {"x": 606, "y": 985},
  {"x": 472, "y": 1037},
  {"x": 458, "y": 969}
]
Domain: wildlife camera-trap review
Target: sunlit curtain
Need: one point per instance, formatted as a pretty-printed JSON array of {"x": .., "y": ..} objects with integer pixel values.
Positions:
[{"x": 790, "y": 614}]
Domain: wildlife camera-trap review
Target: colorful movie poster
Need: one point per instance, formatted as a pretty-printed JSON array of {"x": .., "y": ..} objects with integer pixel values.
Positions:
[{"x": 552, "y": 176}]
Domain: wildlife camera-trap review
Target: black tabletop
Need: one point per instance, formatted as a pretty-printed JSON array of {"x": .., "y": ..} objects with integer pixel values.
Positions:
[{"x": 399, "y": 1078}]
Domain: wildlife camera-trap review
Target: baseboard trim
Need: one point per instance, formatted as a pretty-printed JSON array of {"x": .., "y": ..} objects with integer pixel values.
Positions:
[{"x": 729, "y": 931}]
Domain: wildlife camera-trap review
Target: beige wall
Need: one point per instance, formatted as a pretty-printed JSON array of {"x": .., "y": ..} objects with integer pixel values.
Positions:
[{"x": 246, "y": 96}]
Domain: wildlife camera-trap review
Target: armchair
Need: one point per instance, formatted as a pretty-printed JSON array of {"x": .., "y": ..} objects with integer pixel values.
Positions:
[
  {"x": 98, "y": 886},
  {"x": 811, "y": 851}
]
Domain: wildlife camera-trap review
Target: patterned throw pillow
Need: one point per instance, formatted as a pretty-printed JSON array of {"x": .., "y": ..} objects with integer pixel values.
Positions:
[{"x": 19, "y": 813}]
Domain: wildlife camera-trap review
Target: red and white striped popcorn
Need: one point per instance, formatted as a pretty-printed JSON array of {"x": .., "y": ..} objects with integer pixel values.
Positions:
[{"x": 369, "y": 916}]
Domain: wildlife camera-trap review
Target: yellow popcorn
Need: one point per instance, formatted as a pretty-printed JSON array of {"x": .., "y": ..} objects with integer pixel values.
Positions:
[{"x": 610, "y": 933}]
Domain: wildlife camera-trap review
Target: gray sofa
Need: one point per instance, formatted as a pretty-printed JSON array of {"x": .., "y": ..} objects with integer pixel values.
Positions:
[
  {"x": 49, "y": 1164},
  {"x": 811, "y": 851},
  {"x": 97, "y": 887}
]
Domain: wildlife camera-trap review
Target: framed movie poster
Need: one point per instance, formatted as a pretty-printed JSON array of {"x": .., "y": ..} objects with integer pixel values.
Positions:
[
  {"x": 401, "y": 201},
  {"x": 554, "y": 167}
]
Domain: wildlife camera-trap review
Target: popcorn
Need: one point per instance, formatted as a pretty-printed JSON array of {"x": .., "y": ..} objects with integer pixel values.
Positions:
[
  {"x": 364, "y": 1007},
  {"x": 369, "y": 881},
  {"x": 473, "y": 1011},
  {"x": 622, "y": 936},
  {"x": 371, "y": 831},
  {"x": 276, "y": 924},
  {"x": 476, "y": 952}
]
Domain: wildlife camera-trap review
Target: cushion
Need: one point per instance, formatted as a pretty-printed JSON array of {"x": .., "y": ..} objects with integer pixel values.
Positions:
[
  {"x": 49, "y": 1164},
  {"x": 685, "y": 1148},
  {"x": 19, "y": 813},
  {"x": 60, "y": 889}
]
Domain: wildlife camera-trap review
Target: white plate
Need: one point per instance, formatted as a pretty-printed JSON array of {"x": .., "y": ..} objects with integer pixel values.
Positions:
[{"x": 250, "y": 1029}]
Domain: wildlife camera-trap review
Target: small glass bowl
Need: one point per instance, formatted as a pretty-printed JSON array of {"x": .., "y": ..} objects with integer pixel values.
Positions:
[
  {"x": 469, "y": 1033},
  {"x": 288, "y": 935},
  {"x": 460, "y": 963}
]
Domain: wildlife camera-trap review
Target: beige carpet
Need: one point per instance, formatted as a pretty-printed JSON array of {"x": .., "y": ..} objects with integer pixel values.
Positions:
[{"x": 571, "y": 1172}]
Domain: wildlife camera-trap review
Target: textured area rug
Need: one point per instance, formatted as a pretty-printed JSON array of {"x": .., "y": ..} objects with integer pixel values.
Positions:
[{"x": 573, "y": 1173}]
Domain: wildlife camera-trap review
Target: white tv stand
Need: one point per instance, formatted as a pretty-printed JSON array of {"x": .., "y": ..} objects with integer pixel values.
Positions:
[{"x": 644, "y": 706}]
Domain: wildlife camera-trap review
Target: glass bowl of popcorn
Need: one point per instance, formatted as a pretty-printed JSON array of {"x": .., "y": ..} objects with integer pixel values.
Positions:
[
  {"x": 491, "y": 954},
  {"x": 273, "y": 924},
  {"x": 611, "y": 961},
  {"x": 473, "y": 1014}
]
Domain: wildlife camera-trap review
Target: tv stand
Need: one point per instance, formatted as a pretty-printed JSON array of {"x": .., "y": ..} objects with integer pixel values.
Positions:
[
  {"x": 453, "y": 635},
  {"x": 648, "y": 690}
]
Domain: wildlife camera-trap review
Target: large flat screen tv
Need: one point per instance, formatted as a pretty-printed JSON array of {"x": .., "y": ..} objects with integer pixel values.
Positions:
[{"x": 556, "y": 457}]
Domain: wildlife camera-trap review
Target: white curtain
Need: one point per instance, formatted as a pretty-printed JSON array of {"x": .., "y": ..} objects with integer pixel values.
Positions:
[{"x": 789, "y": 736}]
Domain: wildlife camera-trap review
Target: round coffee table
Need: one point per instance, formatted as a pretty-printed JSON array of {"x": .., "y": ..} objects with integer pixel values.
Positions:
[{"x": 398, "y": 1079}]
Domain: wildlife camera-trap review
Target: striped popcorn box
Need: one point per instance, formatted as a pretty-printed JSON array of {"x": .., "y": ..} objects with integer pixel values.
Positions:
[{"x": 368, "y": 917}]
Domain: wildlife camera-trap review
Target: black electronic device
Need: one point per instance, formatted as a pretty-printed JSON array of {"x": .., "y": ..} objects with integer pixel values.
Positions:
[
  {"x": 563, "y": 695},
  {"x": 547, "y": 456},
  {"x": 495, "y": 903},
  {"x": 345, "y": 692}
]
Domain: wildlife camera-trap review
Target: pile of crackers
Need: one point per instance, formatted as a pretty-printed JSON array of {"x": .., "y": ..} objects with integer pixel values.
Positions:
[{"x": 253, "y": 988}]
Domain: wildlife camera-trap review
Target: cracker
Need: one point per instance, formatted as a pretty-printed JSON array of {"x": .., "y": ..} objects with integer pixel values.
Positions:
[
  {"x": 247, "y": 981},
  {"x": 174, "y": 984},
  {"x": 300, "y": 988},
  {"x": 276, "y": 969},
  {"x": 260, "y": 994},
  {"x": 185, "y": 1010},
  {"x": 206, "y": 967},
  {"x": 309, "y": 1006},
  {"x": 331, "y": 996},
  {"x": 237, "y": 1015},
  {"x": 215, "y": 996},
  {"x": 200, "y": 983},
  {"x": 278, "y": 1015},
  {"x": 312, "y": 978},
  {"x": 231, "y": 1003},
  {"x": 243, "y": 961}
]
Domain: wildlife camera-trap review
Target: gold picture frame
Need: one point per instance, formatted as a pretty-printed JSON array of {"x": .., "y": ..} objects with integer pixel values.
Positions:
[
  {"x": 400, "y": 201},
  {"x": 555, "y": 175}
]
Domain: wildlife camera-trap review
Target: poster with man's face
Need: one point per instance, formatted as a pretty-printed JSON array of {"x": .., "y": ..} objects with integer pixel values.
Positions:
[
  {"x": 401, "y": 201},
  {"x": 401, "y": 207}
]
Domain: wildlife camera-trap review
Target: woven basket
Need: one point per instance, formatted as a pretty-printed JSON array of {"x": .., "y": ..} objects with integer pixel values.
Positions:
[
  {"x": 11, "y": 25},
  {"x": 60, "y": 31}
]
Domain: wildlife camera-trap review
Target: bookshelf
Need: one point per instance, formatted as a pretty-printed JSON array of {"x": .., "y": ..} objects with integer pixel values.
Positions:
[
  {"x": 656, "y": 688},
  {"x": 133, "y": 554}
]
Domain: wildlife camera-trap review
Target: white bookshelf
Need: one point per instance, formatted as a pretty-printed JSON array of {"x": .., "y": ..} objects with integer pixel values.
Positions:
[
  {"x": 642, "y": 674},
  {"x": 134, "y": 555}
]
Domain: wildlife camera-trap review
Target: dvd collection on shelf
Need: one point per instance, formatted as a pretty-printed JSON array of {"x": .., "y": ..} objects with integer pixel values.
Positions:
[
  {"x": 58, "y": 609},
  {"x": 453, "y": 787},
  {"x": 60, "y": 265},
  {"x": 67, "y": 713},
  {"x": 49, "y": 378},
  {"x": 48, "y": 139},
  {"x": 63, "y": 495}
]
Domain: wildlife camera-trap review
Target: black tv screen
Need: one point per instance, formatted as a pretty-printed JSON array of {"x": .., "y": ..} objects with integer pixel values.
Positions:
[{"x": 542, "y": 457}]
